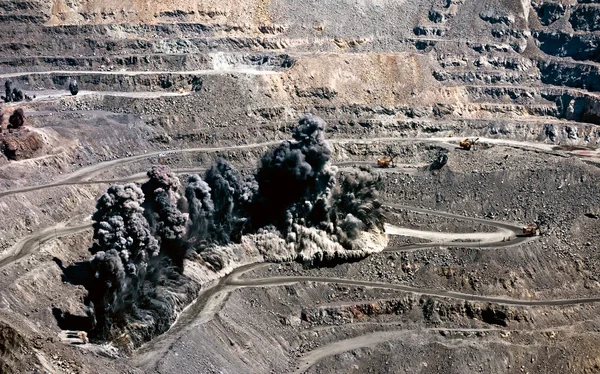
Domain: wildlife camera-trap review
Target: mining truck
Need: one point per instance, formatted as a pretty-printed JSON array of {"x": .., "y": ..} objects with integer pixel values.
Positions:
[{"x": 530, "y": 230}]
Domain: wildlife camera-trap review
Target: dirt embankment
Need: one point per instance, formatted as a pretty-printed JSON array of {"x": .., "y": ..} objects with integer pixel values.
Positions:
[
  {"x": 17, "y": 141},
  {"x": 140, "y": 11}
]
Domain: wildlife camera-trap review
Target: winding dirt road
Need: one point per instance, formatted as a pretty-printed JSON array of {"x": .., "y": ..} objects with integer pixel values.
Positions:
[
  {"x": 346, "y": 345},
  {"x": 212, "y": 299},
  {"x": 51, "y": 95},
  {"x": 442, "y": 237},
  {"x": 278, "y": 281},
  {"x": 511, "y": 233},
  {"x": 132, "y": 73},
  {"x": 201, "y": 311},
  {"x": 83, "y": 175},
  {"x": 378, "y": 337},
  {"x": 29, "y": 244}
]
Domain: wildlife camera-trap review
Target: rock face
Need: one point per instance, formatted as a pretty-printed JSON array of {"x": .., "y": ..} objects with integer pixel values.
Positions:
[
  {"x": 548, "y": 12},
  {"x": 13, "y": 345},
  {"x": 433, "y": 311}
]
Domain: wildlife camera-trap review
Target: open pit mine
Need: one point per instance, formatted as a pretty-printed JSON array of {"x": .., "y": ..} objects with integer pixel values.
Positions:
[{"x": 278, "y": 186}]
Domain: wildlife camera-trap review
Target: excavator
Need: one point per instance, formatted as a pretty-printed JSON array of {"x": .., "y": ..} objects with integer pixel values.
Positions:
[
  {"x": 386, "y": 162},
  {"x": 466, "y": 144}
]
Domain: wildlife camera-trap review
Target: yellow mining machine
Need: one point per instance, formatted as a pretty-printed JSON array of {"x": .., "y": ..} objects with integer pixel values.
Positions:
[
  {"x": 466, "y": 144},
  {"x": 386, "y": 162}
]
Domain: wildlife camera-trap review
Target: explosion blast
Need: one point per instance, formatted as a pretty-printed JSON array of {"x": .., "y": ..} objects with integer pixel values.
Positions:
[{"x": 297, "y": 206}]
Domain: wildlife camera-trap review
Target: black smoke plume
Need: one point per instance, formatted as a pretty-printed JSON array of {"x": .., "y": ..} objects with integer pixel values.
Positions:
[
  {"x": 167, "y": 223},
  {"x": 218, "y": 205},
  {"x": 292, "y": 176},
  {"x": 201, "y": 210},
  {"x": 138, "y": 257},
  {"x": 355, "y": 206},
  {"x": 123, "y": 247},
  {"x": 17, "y": 95},
  {"x": 17, "y": 119},
  {"x": 7, "y": 92},
  {"x": 13, "y": 94},
  {"x": 74, "y": 87},
  {"x": 231, "y": 195},
  {"x": 296, "y": 206}
]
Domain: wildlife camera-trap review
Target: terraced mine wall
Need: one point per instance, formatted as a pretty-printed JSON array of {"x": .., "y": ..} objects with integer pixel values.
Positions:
[{"x": 183, "y": 83}]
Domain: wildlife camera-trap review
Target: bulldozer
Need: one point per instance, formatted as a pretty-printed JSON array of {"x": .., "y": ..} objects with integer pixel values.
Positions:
[
  {"x": 530, "y": 230},
  {"x": 466, "y": 144}
]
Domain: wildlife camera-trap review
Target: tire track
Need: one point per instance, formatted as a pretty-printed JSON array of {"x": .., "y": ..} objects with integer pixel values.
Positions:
[
  {"x": 83, "y": 175},
  {"x": 513, "y": 228},
  {"x": 278, "y": 281},
  {"x": 28, "y": 244},
  {"x": 212, "y": 299},
  {"x": 133, "y": 73}
]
